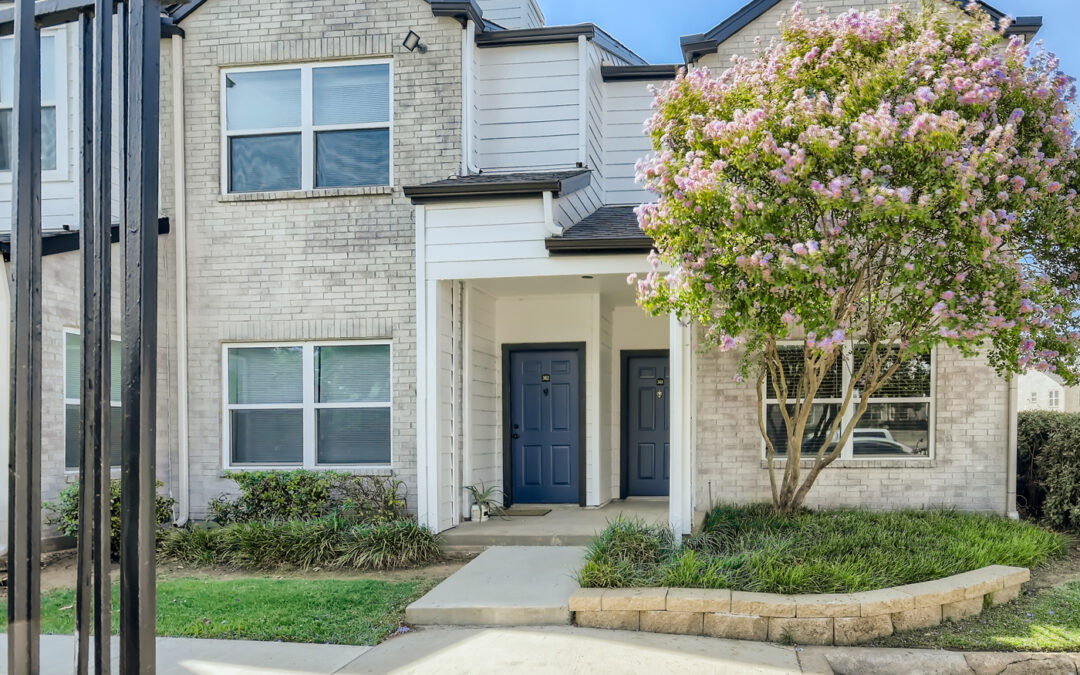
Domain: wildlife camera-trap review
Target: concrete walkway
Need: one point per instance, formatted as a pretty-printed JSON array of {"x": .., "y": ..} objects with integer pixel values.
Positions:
[
  {"x": 185, "y": 656},
  {"x": 554, "y": 649},
  {"x": 505, "y": 586}
]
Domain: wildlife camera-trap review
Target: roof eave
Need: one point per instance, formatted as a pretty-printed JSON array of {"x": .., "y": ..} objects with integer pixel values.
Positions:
[
  {"x": 67, "y": 241},
  {"x": 631, "y": 73},
  {"x": 422, "y": 194},
  {"x": 556, "y": 34},
  {"x": 463, "y": 11},
  {"x": 560, "y": 246}
]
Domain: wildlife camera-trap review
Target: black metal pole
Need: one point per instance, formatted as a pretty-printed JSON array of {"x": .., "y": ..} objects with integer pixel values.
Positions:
[
  {"x": 91, "y": 356},
  {"x": 138, "y": 602},
  {"x": 24, "y": 495},
  {"x": 95, "y": 587}
]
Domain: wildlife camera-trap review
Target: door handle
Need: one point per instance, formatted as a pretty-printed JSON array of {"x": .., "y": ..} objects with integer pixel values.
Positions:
[{"x": 515, "y": 435}]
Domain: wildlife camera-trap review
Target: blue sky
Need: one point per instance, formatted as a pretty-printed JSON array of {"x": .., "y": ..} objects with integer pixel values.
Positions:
[{"x": 652, "y": 29}]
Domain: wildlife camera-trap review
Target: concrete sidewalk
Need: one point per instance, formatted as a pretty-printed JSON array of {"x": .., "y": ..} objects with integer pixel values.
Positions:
[{"x": 554, "y": 649}]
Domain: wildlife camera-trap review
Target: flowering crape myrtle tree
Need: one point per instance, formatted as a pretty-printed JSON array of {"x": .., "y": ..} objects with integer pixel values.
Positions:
[{"x": 873, "y": 185}]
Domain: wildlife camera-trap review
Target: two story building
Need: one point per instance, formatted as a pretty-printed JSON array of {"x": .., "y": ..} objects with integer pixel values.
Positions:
[{"x": 395, "y": 240}]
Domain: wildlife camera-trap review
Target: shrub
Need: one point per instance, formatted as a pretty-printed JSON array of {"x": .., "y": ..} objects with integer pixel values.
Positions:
[
  {"x": 1048, "y": 466},
  {"x": 306, "y": 544},
  {"x": 64, "y": 514},
  {"x": 310, "y": 495},
  {"x": 751, "y": 548}
]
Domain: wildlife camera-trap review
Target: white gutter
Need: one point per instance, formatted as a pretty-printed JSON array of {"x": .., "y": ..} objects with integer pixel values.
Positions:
[
  {"x": 179, "y": 230},
  {"x": 549, "y": 215},
  {"x": 468, "y": 92},
  {"x": 1011, "y": 408}
]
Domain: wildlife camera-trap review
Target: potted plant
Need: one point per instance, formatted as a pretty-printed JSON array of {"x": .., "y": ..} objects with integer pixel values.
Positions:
[{"x": 485, "y": 499}]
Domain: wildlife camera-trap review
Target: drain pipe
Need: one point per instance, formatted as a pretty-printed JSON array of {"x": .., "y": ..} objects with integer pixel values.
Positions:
[
  {"x": 468, "y": 93},
  {"x": 1012, "y": 407},
  {"x": 549, "y": 215},
  {"x": 180, "y": 238}
]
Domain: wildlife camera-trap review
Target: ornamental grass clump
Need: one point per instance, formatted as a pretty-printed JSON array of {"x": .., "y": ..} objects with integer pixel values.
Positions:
[{"x": 881, "y": 184}]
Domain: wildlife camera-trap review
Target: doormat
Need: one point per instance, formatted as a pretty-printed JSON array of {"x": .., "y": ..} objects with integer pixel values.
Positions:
[{"x": 515, "y": 511}]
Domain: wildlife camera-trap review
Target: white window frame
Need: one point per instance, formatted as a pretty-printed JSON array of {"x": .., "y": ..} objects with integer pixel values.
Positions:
[
  {"x": 113, "y": 405},
  {"x": 308, "y": 405},
  {"x": 1054, "y": 399},
  {"x": 848, "y": 369},
  {"x": 307, "y": 128},
  {"x": 60, "y": 90}
]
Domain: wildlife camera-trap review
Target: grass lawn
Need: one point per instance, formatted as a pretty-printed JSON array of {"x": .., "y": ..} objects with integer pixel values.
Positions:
[
  {"x": 835, "y": 551},
  {"x": 348, "y": 612},
  {"x": 1047, "y": 620}
]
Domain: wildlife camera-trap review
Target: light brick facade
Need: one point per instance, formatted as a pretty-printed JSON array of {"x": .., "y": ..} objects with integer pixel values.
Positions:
[
  {"x": 321, "y": 265},
  {"x": 967, "y": 471}
]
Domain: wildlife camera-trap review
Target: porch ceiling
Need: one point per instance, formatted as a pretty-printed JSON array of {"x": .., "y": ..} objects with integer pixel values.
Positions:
[{"x": 612, "y": 287}]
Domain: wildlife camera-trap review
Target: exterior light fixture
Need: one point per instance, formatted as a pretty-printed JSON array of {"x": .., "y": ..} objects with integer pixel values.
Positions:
[{"x": 412, "y": 43}]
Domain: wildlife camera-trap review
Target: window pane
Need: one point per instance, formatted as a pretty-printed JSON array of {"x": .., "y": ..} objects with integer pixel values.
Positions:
[
  {"x": 911, "y": 380},
  {"x": 48, "y": 68},
  {"x": 893, "y": 430},
  {"x": 268, "y": 99},
  {"x": 7, "y": 69},
  {"x": 354, "y": 436},
  {"x": 352, "y": 158},
  {"x": 267, "y": 436},
  {"x": 73, "y": 435},
  {"x": 7, "y": 143},
  {"x": 48, "y": 139},
  {"x": 266, "y": 375},
  {"x": 264, "y": 163},
  {"x": 353, "y": 374},
  {"x": 817, "y": 427},
  {"x": 351, "y": 94},
  {"x": 72, "y": 365},
  {"x": 792, "y": 358}
]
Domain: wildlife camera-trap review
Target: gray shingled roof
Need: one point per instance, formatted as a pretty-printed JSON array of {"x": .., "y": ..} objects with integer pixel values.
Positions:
[
  {"x": 609, "y": 229},
  {"x": 501, "y": 185}
]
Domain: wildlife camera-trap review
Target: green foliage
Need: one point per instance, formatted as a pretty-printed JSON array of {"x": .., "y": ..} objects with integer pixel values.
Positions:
[
  {"x": 64, "y": 513},
  {"x": 330, "y": 542},
  {"x": 1048, "y": 475},
  {"x": 309, "y": 495},
  {"x": 487, "y": 497},
  {"x": 752, "y": 548},
  {"x": 1047, "y": 620},
  {"x": 320, "y": 611}
]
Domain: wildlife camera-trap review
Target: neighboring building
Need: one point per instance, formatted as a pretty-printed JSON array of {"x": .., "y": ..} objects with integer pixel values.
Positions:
[
  {"x": 414, "y": 262},
  {"x": 1044, "y": 391}
]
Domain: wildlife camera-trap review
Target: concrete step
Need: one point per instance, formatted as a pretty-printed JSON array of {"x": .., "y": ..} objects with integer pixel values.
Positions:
[
  {"x": 474, "y": 538},
  {"x": 505, "y": 586}
]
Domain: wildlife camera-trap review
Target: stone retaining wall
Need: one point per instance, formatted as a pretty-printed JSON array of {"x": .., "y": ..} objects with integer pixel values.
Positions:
[{"x": 835, "y": 618}]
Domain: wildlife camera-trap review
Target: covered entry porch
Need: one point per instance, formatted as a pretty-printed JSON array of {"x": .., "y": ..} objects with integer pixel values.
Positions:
[{"x": 562, "y": 393}]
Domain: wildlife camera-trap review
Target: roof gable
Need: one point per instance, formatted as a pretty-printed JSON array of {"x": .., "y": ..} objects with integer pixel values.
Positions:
[{"x": 695, "y": 46}]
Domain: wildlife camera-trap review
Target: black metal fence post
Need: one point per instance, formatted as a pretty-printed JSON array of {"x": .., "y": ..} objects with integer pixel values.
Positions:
[
  {"x": 24, "y": 492},
  {"x": 138, "y": 603}
]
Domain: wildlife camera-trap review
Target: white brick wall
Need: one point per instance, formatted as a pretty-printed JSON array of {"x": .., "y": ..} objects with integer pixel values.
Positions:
[
  {"x": 330, "y": 264},
  {"x": 968, "y": 470}
]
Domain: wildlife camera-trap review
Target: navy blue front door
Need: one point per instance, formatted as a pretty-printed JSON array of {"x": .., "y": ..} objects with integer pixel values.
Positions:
[
  {"x": 649, "y": 450},
  {"x": 544, "y": 426}
]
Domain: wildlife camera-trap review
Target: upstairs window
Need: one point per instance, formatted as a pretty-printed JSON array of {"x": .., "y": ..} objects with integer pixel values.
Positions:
[
  {"x": 307, "y": 126},
  {"x": 52, "y": 93}
]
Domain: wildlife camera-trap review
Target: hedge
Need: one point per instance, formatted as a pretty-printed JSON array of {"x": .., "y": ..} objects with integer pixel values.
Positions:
[{"x": 1048, "y": 467}]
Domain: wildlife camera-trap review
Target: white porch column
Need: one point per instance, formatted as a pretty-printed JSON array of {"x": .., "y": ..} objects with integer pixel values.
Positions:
[
  {"x": 680, "y": 501},
  {"x": 5, "y": 396},
  {"x": 426, "y": 430}
]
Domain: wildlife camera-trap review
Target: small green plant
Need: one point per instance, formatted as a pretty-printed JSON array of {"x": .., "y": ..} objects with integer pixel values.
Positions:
[
  {"x": 306, "y": 544},
  {"x": 486, "y": 498},
  {"x": 64, "y": 513},
  {"x": 310, "y": 495}
]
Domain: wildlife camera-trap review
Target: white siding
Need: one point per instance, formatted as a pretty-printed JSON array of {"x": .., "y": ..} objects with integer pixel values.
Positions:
[
  {"x": 482, "y": 396},
  {"x": 512, "y": 13},
  {"x": 59, "y": 193},
  {"x": 446, "y": 396},
  {"x": 528, "y": 107},
  {"x": 628, "y": 105}
]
